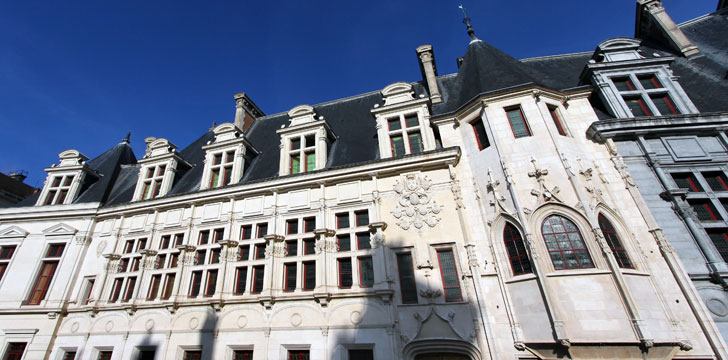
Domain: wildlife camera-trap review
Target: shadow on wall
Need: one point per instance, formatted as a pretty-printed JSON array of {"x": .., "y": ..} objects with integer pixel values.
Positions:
[{"x": 411, "y": 316}]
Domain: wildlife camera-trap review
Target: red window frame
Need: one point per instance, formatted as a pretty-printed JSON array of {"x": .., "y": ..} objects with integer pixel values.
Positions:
[
  {"x": 309, "y": 246},
  {"x": 258, "y": 275},
  {"x": 261, "y": 230},
  {"x": 361, "y": 271},
  {"x": 195, "y": 284},
  {"x": 339, "y": 217},
  {"x": 88, "y": 290},
  {"x": 721, "y": 180},
  {"x": 291, "y": 226},
  {"x": 482, "y": 143},
  {"x": 217, "y": 235},
  {"x": 563, "y": 252},
  {"x": 707, "y": 205},
  {"x": 406, "y": 272},
  {"x": 517, "y": 254},
  {"x": 259, "y": 251},
  {"x": 246, "y": 232},
  {"x": 299, "y": 355},
  {"x": 289, "y": 280},
  {"x": 242, "y": 354},
  {"x": 523, "y": 121},
  {"x": 668, "y": 101},
  {"x": 610, "y": 234},
  {"x": 105, "y": 355},
  {"x": 339, "y": 262},
  {"x": 168, "y": 286},
  {"x": 42, "y": 282},
  {"x": 292, "y": 248},
  {"x": 210, "y": 283},
  {"x": 165, "y": 241},
  {"x": 193, "y": 355},
  {"x": 15, "y": 351},
  {"x": 203, "y": 237},
  {"x": 339, "y": 242},
  {"x": 308, "y": 266},
  {"x": 690, "y": 178},
  {"x": 359, "y": 219},
  {"x": 641, "y": 103},
  {"x": 154, "y": 287},
  {"x": 309, "y": 224},
  {"x": 449, "y": 289},
  {"x": 557, "y": 120},
  {"x": 116, "y": 290},
  {"x": 241, "y": 280},
  {"x": 129, "y": 290}
]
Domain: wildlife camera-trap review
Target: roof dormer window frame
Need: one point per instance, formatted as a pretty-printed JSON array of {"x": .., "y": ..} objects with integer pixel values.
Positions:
[
  {"x": 158, "y": 168},
  {"x": 63, "y": 183},
  {"x": 305, "y": 142},
  {"x": 403, "y": 122},
  {"x": 225, "y": 157}
]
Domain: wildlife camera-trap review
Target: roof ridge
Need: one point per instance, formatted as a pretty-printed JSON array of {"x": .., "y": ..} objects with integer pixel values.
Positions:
[
  {"x": 702, "y": 17},
  {"x": 556, "y": 56}
]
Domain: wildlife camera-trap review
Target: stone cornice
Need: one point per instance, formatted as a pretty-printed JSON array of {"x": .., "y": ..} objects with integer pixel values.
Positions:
[
  {"x": 709, "y": 122},
  {"x": 54, "y": 211}
]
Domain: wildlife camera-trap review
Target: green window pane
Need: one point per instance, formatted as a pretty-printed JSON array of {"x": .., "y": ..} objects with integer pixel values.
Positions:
[
  {"x": 394, "y": 124},
  {"x": 415, "y": 142},
  {"x": 397, "y": 146},
  {"x": 518, "y": 123},
  {"x": 295, "y": 164},
  {"x": 411, "y": 120},
  {"x": 310, "y": 162}
]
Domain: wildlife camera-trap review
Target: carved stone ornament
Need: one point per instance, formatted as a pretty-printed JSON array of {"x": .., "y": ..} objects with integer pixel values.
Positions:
[
  {"x": 415, "y": 206},
  {"x": 542, "y": 193},
  {"x": 498, "y": 200},
  {"x": 326, "y": 246},
  {"x": 275, "y": 249},
  {"x": 622, "y": 169}
]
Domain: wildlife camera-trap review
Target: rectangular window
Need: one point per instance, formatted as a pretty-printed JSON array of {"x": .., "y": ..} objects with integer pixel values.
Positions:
[
  {"x": 243, "y": 355},
  {"x": 292, "y": 226},
  {"x": 200, "y": 257},
  {"x": 361, "y": 354},
  {"x": 168, "y": 286},
  {"x": 407, "y": 283},
  {"x": 164, "y": 242},
  {"x": 141, "y": 245},
  {"x": 246, "y": 232},
  {"x": 344, "y": 242},
  {"x": 258, "y": 274},
  {"x": 42, "y": 282},
  {"x": 518, "y": 122},
  {"x": 309, "y": 224},
  {"x": 152, "y": 182},
  {"x": 178, "y": 238},
  {"x": 214, "y": 256},
  {"x": 217, "y": 235},
  {"x": 295, "y": 164},
  {"x": 88, "y": 287},
  {"x": 481, "y": 137},
  {"x": 55, "y": 250},
  {"x": 345, "y": 276},
  {"x": 415, "y": 142},
  {"x": 299, "y": 355},
  {"x": 292, "y": 248},
  {"x": 449, "y": 273},
  {"x": 6, "y": 253},
  {"x": 623, "y": 84},
  {"x": 366, "y": 271},
  {"x": 720, "y": 240},
  {"x": 58, "y": 190},
  {"x": 130, "y": 285},
  {"x": 397, "y": 145},
  {"x": 289, "y": 281},
  {"x": 309, "y": 246},
  {"x": 362, "y": 217},
  {"x": 687, "y": 181},
  {"x": 342, "y": 220},
  {"x": 192, "y": 355},
  {"x": 69, "y": 355},
  {"x": 173, "y": 259},
  {"x": 363, "y": 241},
  {"x": 211, "y": 283},
  {"x": 244, "y": 253},
  {"x": 637, "y": 106},
  {"x": 309, "y": 275},
  {"x": 154, "y": 287},
  {"x": 310, "y": 161},
  {"x": 649, "y": 82},
  {"x": 129, "y": 246},
  {"x": 262, "y": 230},
  {"x": 221, "y": 169},
  {"x": 664, "y": 104},
  {"x": 705, "y": 210},
  {"x": 195, "y": 283},
  {"x": 259, "y": 251},
  {"x": 241, "y": 277},
  {"x": 204, "y": 237},
  {"x": 105, "y": 355},
  {"x": 159, "y": 263},
  {"x": 115, "y": 290},
  {"x": 15, "y": 351},
  {"x": 557, "y": 120},
  {"x": 716, "y": 180}
]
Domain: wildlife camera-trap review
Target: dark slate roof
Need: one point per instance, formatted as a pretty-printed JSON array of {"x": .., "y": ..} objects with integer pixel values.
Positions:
[
  {"x": 486, "y": 69},
  {"x": 710, "y": 34},
  {"x": 15, "y": 187}
]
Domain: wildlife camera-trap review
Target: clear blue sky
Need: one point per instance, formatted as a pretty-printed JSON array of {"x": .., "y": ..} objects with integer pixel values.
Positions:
[{"x": 80, "y": 74}]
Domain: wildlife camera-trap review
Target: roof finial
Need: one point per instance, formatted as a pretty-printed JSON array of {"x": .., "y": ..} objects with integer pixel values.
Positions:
[
  {"x": 126, "y": 139},
  {"x": 466, "y": 21}
]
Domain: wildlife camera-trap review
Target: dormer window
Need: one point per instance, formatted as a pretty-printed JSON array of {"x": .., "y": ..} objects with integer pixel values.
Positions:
[
  {"x": 64, "y": 180},
  {"x": 58, "y": 190},
  {"x": 644, "y": 95},
  {"x": 403, "y": 122},
  {"x": 305, "y": 142},
  {"x": 226, "y": 157},
  {"x": 158, "y": 168}
]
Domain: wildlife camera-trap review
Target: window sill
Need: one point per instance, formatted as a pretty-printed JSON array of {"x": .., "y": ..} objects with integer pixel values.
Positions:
[
  {"x": 577, "y": 272},
  {"x": 520, "y": 278}
]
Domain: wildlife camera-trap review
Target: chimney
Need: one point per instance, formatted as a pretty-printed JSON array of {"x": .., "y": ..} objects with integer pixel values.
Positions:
[
  {"x": 426, "y": 58},
  {"x": 18, "y": 176},
  {"x": 722, "y": 4},
  {"x": 653, "y": 21},
  {"x": 245, "y": 111}
]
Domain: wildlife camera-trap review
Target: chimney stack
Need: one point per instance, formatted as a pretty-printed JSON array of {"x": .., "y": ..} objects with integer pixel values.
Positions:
[
  {"x": 18, "y": 175},
  {"x": 245, "y": 111},
  {"x": 426, "y": 57},
  {"x": 653, "y": 21}
]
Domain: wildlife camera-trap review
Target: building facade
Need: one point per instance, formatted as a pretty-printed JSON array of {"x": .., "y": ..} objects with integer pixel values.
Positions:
[{"x": 489, "y": 214}]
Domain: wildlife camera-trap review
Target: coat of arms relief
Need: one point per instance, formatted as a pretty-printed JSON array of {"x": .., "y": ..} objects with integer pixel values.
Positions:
[{"x": 415, "y": 206}]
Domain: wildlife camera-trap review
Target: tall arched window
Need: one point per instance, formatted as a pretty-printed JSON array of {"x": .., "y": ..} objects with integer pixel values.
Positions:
[
  {"x": 516, "y": 250},
  {"x": 620, "y": 254},
  {"x": 565, "y": 244}
]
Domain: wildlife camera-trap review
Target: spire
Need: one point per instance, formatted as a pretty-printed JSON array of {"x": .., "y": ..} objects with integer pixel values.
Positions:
[
  {"x": 126, "y": 139},
  {"x": 466, "y": 21}
]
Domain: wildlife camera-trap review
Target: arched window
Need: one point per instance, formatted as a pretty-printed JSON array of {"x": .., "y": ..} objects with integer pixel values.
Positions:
[
  {"x": 516, "y": 250},
  {"x": 620, "y": 254},
  {"x": 565, "y": 244}
]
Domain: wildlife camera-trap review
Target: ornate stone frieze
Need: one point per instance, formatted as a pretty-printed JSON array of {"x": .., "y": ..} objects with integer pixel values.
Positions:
[{"x": 415, "y": 206}]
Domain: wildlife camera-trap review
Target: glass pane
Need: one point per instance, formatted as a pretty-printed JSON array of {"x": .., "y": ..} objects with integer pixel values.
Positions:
[
  {"x": 407, "y": 283},
  {"x": 518, "y": 123},
  {"x": 290, "y": 271},
  {"x": 716, "y": 180},
  {"x": 623, "y": 84},
  {"x": 415, "y": 142},
  {"x": 366, "y": 271},
  {"x": 394, "y": 124},
  {"x": 67, "y": 180},
  {"x": 411, "y": 120},
  {"x": 397, "y": 146},
  {"x": 310, "y": 162},
  {"x": 480, "y": 135},
  {"x": 664, "y": 105},
  {"x": 295, "y": 144},
  {"x": 649, "y": 82},
  {"x": 362, "y": 240},
  {"x": 309, "y": 140},
  {"x": 345, "y": 279},
  {"x": 637, "y": 107},
  {"x": 344, "y": 242},
  {"x": 295, "y": 164},
  {"x": 217, "y": 159}
]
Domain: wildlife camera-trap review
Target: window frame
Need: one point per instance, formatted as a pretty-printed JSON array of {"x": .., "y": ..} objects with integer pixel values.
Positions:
[
  {"x": 521, "y": 253},
  {"x": 611, "y": 236},
  {"x": 523, "y": 120},
  {"x": 572, "y": 248},
  {"x": 451, "y": 251},
  {"x": 53, "y": 260},
  {"x": 481, "y": 144},
  {"x": 644, "y": 96},
  {"x": 64, "y": 186}
]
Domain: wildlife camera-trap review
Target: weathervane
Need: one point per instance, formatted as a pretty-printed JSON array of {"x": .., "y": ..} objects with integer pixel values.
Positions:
[{"x": 466, "y": 21}]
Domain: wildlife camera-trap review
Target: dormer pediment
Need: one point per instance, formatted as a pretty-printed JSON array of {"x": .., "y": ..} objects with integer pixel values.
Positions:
[
  {"x": 226, "y": 132},
  {"x": 13, "y": 232},
  {"x": 398, "y": 92},
  {"x": 159, "y": 147},
  {"x": 60, "y": 230},
  {"x": 71, "y": 157},
  {"x": 302, "y": 114},
  {"x": 618, "y": 49}
]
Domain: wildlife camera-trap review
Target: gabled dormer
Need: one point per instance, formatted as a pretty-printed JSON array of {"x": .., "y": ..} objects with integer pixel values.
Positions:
[
  {"x": 403, "y": 122},
  {"x": 225, "y": 157},
  {"x": 64, "y": 180},
  {"x": 158, "y": 168},
  {"x": 633, "y": 84},
  {"x": 304, "y": 142}
]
